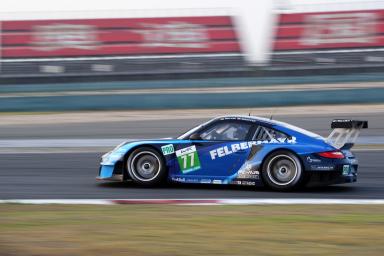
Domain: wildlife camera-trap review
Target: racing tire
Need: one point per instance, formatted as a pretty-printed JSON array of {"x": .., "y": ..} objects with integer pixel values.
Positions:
[
  {"x": 282, "y": 171},
  {"x": 145, "y": 166}
]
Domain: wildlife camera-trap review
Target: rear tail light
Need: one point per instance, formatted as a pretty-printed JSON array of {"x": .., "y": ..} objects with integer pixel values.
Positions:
[{"x": 332, "y": 154}]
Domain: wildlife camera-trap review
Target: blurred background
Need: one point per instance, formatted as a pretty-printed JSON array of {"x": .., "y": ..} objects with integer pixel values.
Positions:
[{"x": 151, "y": 55}]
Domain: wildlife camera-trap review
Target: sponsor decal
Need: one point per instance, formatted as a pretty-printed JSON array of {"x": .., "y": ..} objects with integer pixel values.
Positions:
[
  {"x": 190, "y": 180},
  {"x": 239, "y": 118},
  {"x": 188, "y": 159},
  {"x": 248, "y": 174},
  {"x": 178, "y": 179},
  {"x": 227, "y": 150},
  {"x": 194, "y": 180},
  {"x": 168, "y": 149},
  {"x": 243, "y": 182},
  {"x": 248, "y": 183},
  {"x": 313, "y": 160},
  {"x": 322, "y": 168}
]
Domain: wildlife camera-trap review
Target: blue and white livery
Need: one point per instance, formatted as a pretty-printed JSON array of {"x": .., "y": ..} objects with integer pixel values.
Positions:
[{"x": 241, "y": 150}]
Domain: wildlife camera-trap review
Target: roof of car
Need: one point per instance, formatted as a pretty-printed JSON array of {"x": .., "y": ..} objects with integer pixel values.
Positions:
[
  {"x": 249, "y": 118},
  {"x": 256, "y": 119},
  {"x": 268, "y": 121}
]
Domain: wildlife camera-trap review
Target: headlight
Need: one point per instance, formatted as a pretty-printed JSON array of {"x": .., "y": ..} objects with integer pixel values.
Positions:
[
  {"x": 111, "y": 158},
  {"x": 119, "y": 146}
]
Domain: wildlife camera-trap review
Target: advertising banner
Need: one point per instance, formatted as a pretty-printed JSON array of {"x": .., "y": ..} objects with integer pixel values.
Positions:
[
  {"x": 330, "y": 30},
  {"x": 118, "y": 37}
]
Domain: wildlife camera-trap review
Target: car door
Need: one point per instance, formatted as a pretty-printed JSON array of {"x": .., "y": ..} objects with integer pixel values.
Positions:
[{"x": 220, "y": 150}]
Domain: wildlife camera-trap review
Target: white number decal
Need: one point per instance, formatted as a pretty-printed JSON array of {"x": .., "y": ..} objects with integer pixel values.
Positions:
[
  {"x": 192, "y": 155},
  {"x": 184, "y": 157}
]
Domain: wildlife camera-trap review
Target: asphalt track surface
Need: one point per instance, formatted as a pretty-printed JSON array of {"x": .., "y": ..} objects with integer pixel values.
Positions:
[
  {"x": 69, "y": 176},
  {"x": 72, "y": 175}
]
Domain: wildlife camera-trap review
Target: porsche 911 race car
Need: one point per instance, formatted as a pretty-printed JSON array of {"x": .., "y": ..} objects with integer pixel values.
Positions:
[{"x": 242, "y": 150}]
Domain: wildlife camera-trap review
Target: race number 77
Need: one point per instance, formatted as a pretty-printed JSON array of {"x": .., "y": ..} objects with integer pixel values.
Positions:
[
  {"x": 185, "y": 160},
  {"x": 188, "y": 159}
]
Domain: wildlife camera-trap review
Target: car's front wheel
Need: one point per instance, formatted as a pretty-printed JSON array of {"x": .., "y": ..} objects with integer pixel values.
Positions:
[
  {"x": 146, "y": 166},
  {"x": 282, "y": 171}
]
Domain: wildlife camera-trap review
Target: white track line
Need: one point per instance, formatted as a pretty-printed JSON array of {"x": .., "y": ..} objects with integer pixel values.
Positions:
[{"x": 198, "y": 201}]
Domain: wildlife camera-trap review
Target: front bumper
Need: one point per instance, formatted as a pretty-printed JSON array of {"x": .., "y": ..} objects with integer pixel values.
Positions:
[{"x": 111, "y": 172}]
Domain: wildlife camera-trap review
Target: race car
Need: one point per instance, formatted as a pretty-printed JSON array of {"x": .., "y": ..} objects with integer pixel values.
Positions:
[{"x": 241, "y": 150}]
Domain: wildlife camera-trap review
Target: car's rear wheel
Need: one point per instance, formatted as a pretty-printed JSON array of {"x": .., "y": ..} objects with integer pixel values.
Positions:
[
  {"x": 146, "y": 166},
  {"x": 282, "y": 171}
]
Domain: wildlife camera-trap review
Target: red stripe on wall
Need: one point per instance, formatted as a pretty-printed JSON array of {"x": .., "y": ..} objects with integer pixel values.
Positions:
[
  {"x": 294, "y": 44},
  {"x": 298, "y": 30},
  {"x": 29, "y": 38},
  {"x": 132, "y": 49},
  {"x": 120, "y": 23},
  {"x": 302, "y": 17}
]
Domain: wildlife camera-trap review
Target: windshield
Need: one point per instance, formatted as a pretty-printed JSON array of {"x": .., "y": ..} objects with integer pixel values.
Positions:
[{"x": 186, "y": 135}]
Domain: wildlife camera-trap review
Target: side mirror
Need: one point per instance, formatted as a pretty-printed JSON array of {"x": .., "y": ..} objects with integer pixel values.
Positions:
[{"x": 195, "y": 136}]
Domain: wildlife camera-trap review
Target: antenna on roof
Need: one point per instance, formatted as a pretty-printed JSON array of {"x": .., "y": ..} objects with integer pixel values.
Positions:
[
  {"x": 273, "y": 112},
  {"x": 249, "y": 113}
]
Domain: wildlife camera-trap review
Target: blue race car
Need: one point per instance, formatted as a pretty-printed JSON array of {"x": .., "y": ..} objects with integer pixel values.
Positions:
[{"x": 241, "y": 150}]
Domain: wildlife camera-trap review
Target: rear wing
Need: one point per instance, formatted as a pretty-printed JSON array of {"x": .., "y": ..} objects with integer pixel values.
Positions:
[{"x": 345, "y": 132}]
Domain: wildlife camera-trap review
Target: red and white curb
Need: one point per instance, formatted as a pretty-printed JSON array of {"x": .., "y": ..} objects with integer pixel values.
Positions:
[{"x": 198, "y": 201}]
